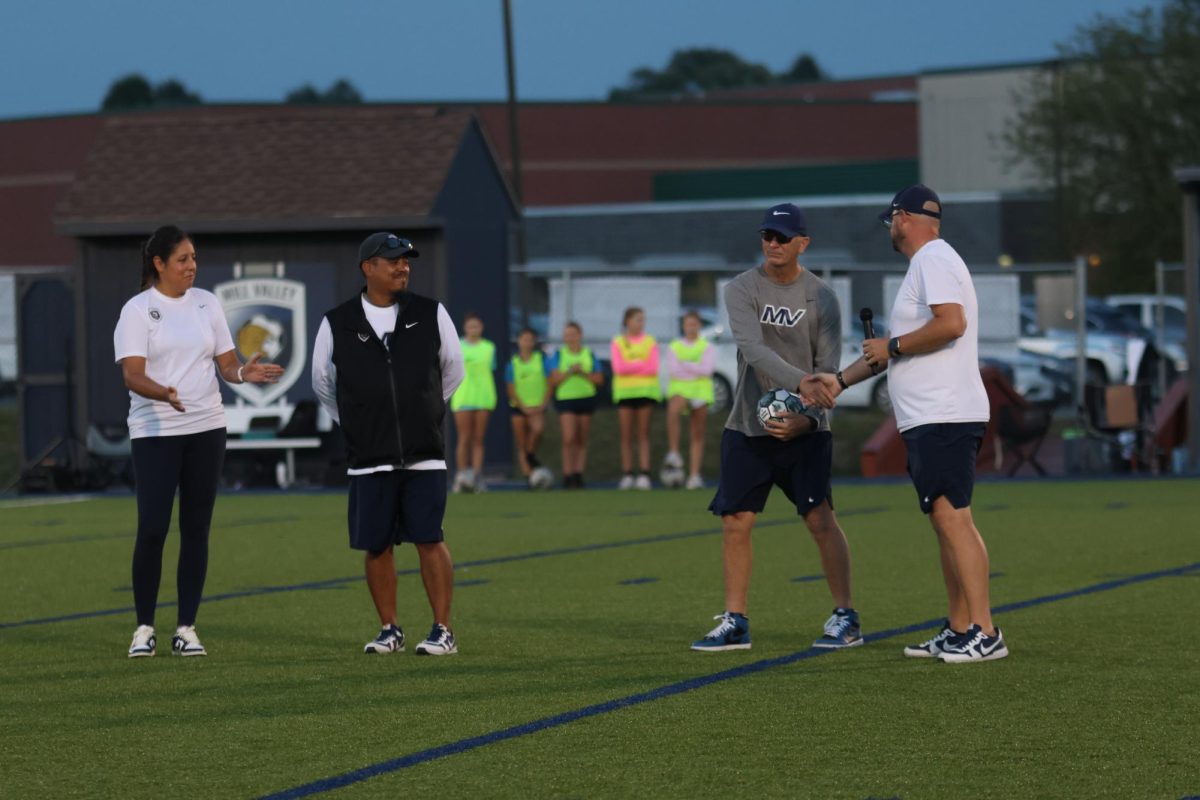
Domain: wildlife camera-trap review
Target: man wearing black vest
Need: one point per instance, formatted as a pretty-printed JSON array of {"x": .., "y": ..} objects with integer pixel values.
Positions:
[{"x": 384, "y": 364}]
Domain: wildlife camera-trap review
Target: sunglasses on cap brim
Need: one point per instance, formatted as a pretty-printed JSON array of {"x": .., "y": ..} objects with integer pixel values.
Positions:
[{"x": 392, "y": 243}]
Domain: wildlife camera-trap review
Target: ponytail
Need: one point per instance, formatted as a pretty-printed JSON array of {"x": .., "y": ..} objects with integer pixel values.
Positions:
[{"x": 160, "y": 244}]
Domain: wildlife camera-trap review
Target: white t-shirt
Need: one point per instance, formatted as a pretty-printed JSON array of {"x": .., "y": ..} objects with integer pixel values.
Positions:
[
  {"x": 179, "y": 337},
  {"x": 383, "y": 321},
  {"x": 942, "y": 386}
]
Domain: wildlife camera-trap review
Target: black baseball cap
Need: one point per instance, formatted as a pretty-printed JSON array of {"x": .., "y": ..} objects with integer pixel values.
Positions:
[
  {"x": 386, "y": 245},
  {"x": 915, "y": 199},
  {"x": 785, "y": 218}
]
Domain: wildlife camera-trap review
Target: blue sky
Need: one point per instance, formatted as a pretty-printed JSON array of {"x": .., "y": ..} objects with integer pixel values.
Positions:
[{"x": 60, "y": 56}]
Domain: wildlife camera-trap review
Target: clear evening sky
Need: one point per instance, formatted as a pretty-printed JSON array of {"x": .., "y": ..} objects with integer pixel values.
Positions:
[{"x": 60, "y": 56}]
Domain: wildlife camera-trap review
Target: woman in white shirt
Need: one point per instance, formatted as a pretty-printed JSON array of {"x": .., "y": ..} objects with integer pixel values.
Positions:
[{"x": 171, "y": 341}]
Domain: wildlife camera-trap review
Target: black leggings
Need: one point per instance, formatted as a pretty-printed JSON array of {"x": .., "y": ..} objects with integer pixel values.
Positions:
[{"x": 161, "y": 464}]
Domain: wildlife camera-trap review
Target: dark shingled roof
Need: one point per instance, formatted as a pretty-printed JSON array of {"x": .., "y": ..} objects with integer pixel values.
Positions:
[{"x": 272, "y": 163}]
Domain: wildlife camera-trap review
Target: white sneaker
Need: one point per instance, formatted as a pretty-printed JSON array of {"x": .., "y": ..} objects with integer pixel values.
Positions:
[
  {"x": 389, "y": 640},
  {"x": 144, "y": 641},
  {"x": 464, "y": 481},
  {"x": 627, "y": 482},
  {"x": 673, "y": 461},
  {"x": 439, "y": 642},
  {"x": 695, "y": 482},
  {"x": 642, "y": 482},
  {"x": 185, "y": 642}
]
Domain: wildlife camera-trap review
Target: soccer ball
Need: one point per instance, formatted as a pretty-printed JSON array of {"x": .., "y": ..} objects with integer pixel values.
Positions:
[
  {"x": 541, "y": 478},
  {"x": 777, "y": 402},
  {"x": 672, "y": 477}
]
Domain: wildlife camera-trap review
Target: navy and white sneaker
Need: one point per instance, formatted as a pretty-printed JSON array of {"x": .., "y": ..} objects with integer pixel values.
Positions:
[
  {"x": 439, "y": 642},
  {"x": 185, "y": 642},
  {"x": 389, "y": 640},
  {"x": 932, "y": 648},
  {"x": 975, "y": 645},
  {"x": 732, "y": 634},
  {"x": 841, "y": 630},
  {"x": 143, "y": 643}
]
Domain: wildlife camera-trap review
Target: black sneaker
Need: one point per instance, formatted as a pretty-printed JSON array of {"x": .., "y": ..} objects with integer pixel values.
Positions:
[
  {"x": 975, "y": 645},
  {"x": 732, "y": 634}
]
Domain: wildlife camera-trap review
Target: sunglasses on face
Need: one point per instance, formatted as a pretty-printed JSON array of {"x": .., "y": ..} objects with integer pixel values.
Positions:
[
  {"x": 775, "y": 236},
  {"x": 897, "y": 211}
]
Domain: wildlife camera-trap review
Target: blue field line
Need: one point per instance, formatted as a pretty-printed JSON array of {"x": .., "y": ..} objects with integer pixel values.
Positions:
[
  {"x": 482, "y": 562},
  {"x": 670, "y": 690}
]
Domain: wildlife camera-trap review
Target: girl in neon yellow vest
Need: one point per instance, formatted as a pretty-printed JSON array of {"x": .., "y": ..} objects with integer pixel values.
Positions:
[
  {"x": 472, "y": 403},
  {"x": 574, "y": 377},
  {"x": 528, "y": 394},
  {"x": 635, "y": 391},
  {"x": 689, "y": 369}
]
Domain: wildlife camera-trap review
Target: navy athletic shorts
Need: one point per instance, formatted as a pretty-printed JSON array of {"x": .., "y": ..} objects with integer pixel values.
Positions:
[
  {"x": 941, "y": 461},
  {"x": 580, "y": 405},
  {"x": 751, "y": 465},
  {"x": 403, "y": 505}
]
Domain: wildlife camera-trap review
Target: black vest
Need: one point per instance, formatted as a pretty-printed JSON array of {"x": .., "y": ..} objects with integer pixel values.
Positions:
[{"x": 389, "y": 397}]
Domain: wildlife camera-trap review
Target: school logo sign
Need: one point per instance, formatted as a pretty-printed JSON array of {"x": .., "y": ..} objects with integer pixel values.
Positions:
[
  {"x": 781, "y": 317},
  {"x": 266, "y": 315}
]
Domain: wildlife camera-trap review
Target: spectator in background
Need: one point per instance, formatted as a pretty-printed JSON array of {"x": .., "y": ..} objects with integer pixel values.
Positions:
[
  {"x": 171, "y": 342},
  {"x": 574, "y": 378},
  {"x": 473, "y": 403},
  {"x": 635, "y": 391},
  {"x": 528, "y": 394},
  {"x": 690, "y": 370}
]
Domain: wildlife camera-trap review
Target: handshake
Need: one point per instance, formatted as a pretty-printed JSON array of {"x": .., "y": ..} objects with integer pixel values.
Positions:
[{"x": 820, "y": 389}]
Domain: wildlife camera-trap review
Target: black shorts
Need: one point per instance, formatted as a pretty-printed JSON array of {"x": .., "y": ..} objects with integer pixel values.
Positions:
[
  {"x": 580, "y": 405},
  {"x": 636, "y": 402},
  {"x": 403, "y": 505},
  {"x": 941, "y": 461},
  {"x": 750, "y": 465}
]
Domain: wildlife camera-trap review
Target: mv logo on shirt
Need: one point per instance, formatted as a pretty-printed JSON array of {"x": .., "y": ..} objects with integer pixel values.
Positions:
[{"x": 781, "y": 317}]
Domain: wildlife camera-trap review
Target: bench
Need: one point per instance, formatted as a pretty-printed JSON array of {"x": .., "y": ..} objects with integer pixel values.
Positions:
[{"x": 288, "y": 445}]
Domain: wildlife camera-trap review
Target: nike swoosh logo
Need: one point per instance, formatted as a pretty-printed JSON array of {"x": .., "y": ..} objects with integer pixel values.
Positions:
[
  {"x": 410, "y": 324},
  {"x": 202, "y": 305},
  {"x": 362, "y": 337},
  {"x": 779, "y": 213}
]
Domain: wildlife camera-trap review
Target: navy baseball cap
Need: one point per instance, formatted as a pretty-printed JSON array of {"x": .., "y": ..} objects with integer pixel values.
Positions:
[
  {"x": 785, "y": 218},
  {"x": 386, "y": 245},
  {"x": 917, "y": 199}
]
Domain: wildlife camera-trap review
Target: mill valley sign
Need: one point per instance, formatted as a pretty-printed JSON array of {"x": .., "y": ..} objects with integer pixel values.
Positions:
[{"x": 266, "y": 315}]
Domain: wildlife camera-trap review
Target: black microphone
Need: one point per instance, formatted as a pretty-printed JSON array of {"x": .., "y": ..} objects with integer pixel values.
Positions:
[{"x": 867, "y": 316}]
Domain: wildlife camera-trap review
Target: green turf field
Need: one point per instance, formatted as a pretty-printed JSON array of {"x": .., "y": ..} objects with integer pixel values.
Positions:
[{"x": 572, "y": 600}]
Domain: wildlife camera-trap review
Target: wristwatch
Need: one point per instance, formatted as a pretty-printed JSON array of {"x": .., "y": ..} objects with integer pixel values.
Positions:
[{"x": 894, "y": 347}]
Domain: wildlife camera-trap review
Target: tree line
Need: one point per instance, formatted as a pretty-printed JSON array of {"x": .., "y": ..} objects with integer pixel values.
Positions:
[{"x": 1102, "y": 126}]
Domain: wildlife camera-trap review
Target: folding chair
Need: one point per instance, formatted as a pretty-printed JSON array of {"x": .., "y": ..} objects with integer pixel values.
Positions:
[
  {"x": 1110, "y": 411},
  {"x": 1022, "y": 429}
]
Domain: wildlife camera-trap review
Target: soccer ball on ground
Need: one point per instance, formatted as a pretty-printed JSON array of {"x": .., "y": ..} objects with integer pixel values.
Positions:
[
  {"x": 776, "y": 403},
  {"x": 541, "y": 478},
  {"x": 672, "y": 477}
]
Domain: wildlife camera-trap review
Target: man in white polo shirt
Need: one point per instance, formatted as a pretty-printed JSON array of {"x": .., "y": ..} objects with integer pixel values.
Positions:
[{"x": 941, "y": 410}]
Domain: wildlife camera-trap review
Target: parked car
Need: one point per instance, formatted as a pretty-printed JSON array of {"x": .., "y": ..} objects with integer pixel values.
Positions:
[
  {"x": 1143, "y": 308},
  {"x": 1105, "y": 352}
]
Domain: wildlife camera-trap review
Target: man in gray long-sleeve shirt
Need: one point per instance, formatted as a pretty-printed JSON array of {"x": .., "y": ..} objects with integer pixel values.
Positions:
[{"x": 787, "y": 325}]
